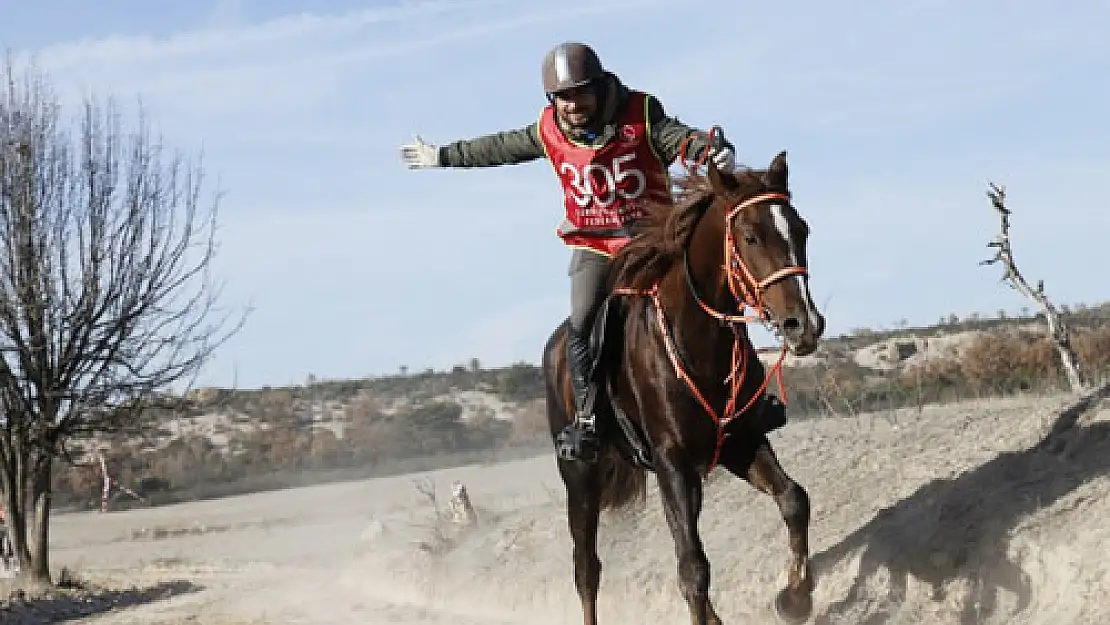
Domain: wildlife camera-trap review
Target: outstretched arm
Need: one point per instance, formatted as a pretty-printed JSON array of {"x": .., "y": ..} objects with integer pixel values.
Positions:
[
  {"x": 508, "y": 147},
  {"x": 500, "y": 148}
]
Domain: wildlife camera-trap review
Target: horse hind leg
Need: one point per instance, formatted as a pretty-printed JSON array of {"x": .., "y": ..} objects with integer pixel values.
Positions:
[
  {"x": 582, "y": 481},
  {"x": 750, "y": 457},
  {"x": 583, "y": 514}
]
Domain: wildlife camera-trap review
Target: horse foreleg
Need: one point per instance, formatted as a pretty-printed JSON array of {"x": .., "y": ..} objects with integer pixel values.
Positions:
[
  {"x": 583, "y": 512},
  {"x": 752, "y": 458},
  {"x": 680, "y": 487}
]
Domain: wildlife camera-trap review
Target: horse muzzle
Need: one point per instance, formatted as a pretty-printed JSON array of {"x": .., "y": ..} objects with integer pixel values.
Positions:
[{"x": 802, "y": 332}]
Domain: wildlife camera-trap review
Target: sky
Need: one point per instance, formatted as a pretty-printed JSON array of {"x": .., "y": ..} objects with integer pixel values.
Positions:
[{"x": 895, "y": 117}]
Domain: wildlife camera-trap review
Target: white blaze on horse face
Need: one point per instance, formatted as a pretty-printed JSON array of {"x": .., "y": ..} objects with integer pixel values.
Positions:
[{"x": 782, "y": 224}]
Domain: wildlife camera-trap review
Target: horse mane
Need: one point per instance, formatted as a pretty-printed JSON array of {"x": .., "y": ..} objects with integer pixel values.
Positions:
[{"x": 666, "y": 229}]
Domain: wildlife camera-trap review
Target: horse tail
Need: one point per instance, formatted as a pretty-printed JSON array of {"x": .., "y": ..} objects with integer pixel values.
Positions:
[{"x": 622, "y": 482}]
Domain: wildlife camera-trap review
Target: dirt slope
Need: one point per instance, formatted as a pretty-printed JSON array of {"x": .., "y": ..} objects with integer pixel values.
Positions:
[{"x": 971, "y": 513}]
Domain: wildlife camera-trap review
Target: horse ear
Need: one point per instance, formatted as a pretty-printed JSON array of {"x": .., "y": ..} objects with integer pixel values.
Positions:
[
  {"x": 723, "y": 183},
  {"x": 777, "y": 173}
]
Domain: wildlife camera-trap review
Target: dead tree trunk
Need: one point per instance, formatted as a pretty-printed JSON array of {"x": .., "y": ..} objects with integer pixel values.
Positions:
[
  {"x": 1057, "y": 325},
  {"x": 27, "y": 495},
  {"x": 462, "y": 511}
]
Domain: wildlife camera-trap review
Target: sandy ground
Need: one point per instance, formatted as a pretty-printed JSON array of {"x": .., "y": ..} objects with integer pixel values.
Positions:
[{"x": 959, "y": 514}]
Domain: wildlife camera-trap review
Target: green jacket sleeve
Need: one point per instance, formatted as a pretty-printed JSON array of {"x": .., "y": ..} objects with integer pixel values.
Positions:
[
  {"x": 668, "y": 134},
  {"x": 500, "y": 148}
]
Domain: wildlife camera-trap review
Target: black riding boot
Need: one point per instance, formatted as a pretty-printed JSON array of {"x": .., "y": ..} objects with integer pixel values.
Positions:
[
  {"x": 769, "y": 414},
  {"x": 579, "y": 440}
]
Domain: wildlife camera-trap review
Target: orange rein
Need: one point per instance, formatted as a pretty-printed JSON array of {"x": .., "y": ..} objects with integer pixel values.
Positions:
[{"x": 748, "y": 291}]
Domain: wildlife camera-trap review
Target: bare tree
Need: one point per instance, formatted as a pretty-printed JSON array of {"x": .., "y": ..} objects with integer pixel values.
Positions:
[
  {"x": 1057, "y": 324},
  {"x": 106, "y": 301}
]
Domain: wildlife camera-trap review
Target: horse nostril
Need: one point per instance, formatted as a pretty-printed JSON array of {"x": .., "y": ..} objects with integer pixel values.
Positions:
[{"x": 791, "y": 326}]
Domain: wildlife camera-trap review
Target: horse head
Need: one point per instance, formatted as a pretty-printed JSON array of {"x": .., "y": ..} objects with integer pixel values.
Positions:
[{"x": 765, "y": 251}]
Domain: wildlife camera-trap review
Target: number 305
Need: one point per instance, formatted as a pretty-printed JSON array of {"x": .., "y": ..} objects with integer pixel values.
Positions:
[{"x": 614, "y": 182}]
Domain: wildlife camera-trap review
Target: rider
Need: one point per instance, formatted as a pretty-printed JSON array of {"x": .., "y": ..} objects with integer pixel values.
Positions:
[{"x": 610, "y": 146}]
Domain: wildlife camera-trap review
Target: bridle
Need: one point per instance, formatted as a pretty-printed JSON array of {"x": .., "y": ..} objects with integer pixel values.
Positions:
[
  {"x": 748, "y": 292},
  {"x": 746, "y": 289}
]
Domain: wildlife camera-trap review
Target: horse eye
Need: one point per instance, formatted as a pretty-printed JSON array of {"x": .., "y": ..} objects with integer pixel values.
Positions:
[{"x": 750, "y": 238}]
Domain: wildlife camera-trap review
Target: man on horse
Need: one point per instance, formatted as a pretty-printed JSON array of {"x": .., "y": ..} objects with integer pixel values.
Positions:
[{"x": 610, "y": 146}]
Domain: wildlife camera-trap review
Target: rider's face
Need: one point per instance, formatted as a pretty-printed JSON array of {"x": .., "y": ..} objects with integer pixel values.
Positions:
[{"x": 577, "y": 105}]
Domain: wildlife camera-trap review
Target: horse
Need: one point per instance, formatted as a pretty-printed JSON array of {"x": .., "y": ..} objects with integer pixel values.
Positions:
[{"x": 678, "y": 371}]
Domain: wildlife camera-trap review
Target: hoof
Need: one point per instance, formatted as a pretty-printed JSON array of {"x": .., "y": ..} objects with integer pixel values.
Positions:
[{"x": 793, "y": 607}]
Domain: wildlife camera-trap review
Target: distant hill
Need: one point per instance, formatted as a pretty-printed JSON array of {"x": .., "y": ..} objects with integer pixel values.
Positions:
[{"x": 239, "y": 440}]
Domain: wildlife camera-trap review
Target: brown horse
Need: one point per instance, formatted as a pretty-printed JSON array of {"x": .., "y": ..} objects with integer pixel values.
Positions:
[{"x": 679, "y": 371}]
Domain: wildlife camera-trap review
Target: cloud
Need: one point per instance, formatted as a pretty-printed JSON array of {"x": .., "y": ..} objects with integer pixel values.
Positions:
[
  {"x": 295, "y": 53},
  {"x": 286, "y": 64},
  {"x": 296, "y": 29}
]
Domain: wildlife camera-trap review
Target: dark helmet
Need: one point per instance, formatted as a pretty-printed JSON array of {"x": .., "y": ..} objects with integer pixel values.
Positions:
[{"x": 570, "y": 65}]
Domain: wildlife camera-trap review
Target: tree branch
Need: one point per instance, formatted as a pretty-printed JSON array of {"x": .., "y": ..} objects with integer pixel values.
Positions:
[
  {"x": 1057, "y": 325},
  {"x": 106, "y": 297}
]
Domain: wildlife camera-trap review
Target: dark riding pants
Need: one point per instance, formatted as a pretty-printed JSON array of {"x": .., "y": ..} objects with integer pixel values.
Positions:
[{"x": 589, "y": 272}]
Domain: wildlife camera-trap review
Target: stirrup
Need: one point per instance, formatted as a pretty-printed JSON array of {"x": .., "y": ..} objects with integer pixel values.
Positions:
[
  {"x": 585, "y": 422},
  {"x": 578, "y": 443},
  {"x": 579, "y": 440}
]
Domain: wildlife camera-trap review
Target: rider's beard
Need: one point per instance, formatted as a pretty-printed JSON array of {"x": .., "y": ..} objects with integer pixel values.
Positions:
[
  {"x": 592, "y": 121},
  {"x": 579, "y": 120}
]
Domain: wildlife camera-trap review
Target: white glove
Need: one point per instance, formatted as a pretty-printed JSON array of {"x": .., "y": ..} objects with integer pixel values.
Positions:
[
  {"x": 724, "y": 158},
  {"x": 418, "y": 155}
]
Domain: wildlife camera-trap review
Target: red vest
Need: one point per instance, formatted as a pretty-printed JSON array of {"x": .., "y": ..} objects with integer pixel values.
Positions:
[{"x": 604, "y": 188}]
